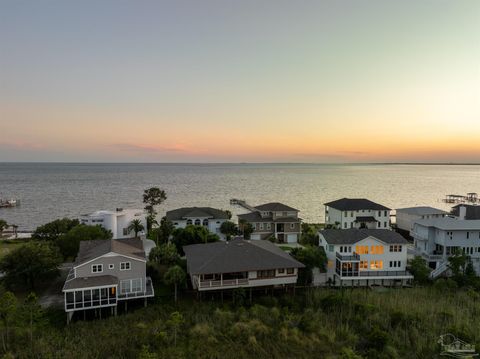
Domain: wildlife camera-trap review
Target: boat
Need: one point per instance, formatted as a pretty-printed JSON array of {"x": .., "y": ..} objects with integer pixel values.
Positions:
[{"x": 8, "y": 203}]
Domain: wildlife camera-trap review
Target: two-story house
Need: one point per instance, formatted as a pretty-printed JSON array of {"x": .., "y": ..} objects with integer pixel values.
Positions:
[
  {"x": 116, "y": 221},
  {"x": 105, "y": 273},
  {"x": 439, "y": 238},
  {"x": 406, "y": 217},
  {"x": 210, "y": 218},
  {"x": 363, "y": 257},
  {"x": 240, "y": 263},
  {"x": 274, "y": 220},
  {"x": 357, "y": 213}
]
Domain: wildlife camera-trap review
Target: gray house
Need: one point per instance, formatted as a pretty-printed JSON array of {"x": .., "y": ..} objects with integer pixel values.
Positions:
[
  {"x": 240, "y": 263},
  {"x": 105, "y": 273}
]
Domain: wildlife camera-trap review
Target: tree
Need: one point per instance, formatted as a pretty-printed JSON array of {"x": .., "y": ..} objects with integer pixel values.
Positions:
[
  {"x": 247, "y": 230},
  {"x": 174, "y": 276},
  {"x": 420, "y": 271},
  {"x": 175, "y": 322},
  {"x": 229, "y": 229},
  {"x": 53, "y": 230},
  {"x": 32, "y": 313},
  {"x": 192, "y": 235},
  {"x": 309, "y": 235},
  {"x": 165, "y": 230},
  {"x": 69, "y": 243},
  {"x": 311, "y": 257},
  {"x": 152, "y": 197},
  {"x": 3, "y": 225},
  {"x": 164, "y": 254},
  {"x": 136, "y": 226},
  {"x": 31, "y": 263},
  {"x": 8, "y": 314}
]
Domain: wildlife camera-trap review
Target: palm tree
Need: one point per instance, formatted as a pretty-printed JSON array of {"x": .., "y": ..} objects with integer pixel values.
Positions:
[
  {"x": 3, "y": 225},
  {"x": 175, "y": 275},
  {"x": 136, "y": 226}
]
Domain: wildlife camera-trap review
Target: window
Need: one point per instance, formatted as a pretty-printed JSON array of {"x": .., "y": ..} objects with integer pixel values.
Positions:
[
  {"x": 345, "y": 225},
  {"x": 331, "y": 247},
  {"x": 175, "y": 224},
  {"x": 351, "y": 214},
  {"x": 290, "y": 270},
  {"x": 376, "y": 265},
  {"x": 189, "y": 222},
  {"x": 396, "y": 248},
  {"x": 125, "y": 286},
  {"x": 361, "y": 249},
  {"x": 254, "y": 226},
  {"x": 136, "y": 285},
  {"x": 468, "y": 235},
  {"x": 125, "y": 231},
  {"x": 385, "y": 213},
  {"x": 269, "y": 226},
  {"x": 377, "y": 250},
  {"x": 205, "y": 222},
  {"x": 363, "y": 264},
  {"x": 261, "y": 226},
  {"x": 395, "y": 264},
  {"x": 111, "y": 266},
  {"x": 266, "y": 273},
  {"x": 379, "y": 213},
  {"x": 281, "y": 271},
  {"x": 385, "y": 224},
  {"x": 97, "y": 268},
  {"x": 125, "y": 266},
  {"x": 197, "y": 222},
  {"x": 292, "y": 225},
  {"x": 330, "y": 264}
]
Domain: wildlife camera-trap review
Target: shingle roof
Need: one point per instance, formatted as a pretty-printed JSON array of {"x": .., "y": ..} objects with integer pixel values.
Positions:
[
  {"x": 355, "y": 204},
  {"x": 473, "y": 211},
  {"x": 196, "y": 212},
  {"x": 448, "y": 223},
  {"x": 256, "y": 217},
  {"x": 88, "y": 282},
  {"x": 275, "y": 207},
  {"x": 237, "y": 255},
  {"x": 421, "y": 210},
  {"x": 351, "y": 236},
  {"x": 89, "y": 250}
]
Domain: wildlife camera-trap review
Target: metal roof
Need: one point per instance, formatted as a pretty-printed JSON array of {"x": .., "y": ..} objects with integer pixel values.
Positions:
[
  {"x": 448, "y": 223},
  {"x": 421, "y": 210}
]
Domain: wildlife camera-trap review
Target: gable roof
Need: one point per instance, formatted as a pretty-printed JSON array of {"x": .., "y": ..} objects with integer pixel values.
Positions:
[
  {"x": 88, "y": 282},
  {"x": 256, "y": 217},
  {"x": 275, "y": 207},
  {"x": 449, "y": 223},
  {"x": 421, "y": 210},
  {"x": 131, "y": 247},
  {"x": 196, "y": 212},
  {"x": 353, "y": 235},
  {"x": 355, "y": 204},
  {"x": 238, "y": 255}
]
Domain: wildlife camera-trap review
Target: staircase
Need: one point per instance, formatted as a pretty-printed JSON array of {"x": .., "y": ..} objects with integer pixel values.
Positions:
[{"x": 439, "y": 270}]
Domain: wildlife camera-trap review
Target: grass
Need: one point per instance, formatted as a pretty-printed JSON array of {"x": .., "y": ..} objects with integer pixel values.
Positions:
[{"x": 8, "y": 245}]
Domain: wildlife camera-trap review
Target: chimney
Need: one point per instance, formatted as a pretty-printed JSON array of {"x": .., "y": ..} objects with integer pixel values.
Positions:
[{"x": 462, "y": 212}]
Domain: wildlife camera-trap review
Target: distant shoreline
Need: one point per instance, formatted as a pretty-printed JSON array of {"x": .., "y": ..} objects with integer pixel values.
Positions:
[{"x": 252, "y": 163}]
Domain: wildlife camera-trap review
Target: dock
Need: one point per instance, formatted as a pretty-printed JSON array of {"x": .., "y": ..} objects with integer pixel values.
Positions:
[
  {"x": 242, "y": 203},
  {"x": 471, "y": 197}
]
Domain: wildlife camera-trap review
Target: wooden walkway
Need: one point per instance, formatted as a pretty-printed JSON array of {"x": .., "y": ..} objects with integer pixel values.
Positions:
[{"x": 242, "y": 203}]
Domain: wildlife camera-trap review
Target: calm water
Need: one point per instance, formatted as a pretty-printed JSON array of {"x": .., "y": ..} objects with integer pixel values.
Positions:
[{"x": 50, "y": 191}]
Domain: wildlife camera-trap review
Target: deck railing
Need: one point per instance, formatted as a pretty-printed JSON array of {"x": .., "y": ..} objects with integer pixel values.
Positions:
[
  {"x": 373, "y": 273},
  {"x": 221, "y": 283},
  {"x": 350, "y": 257}
]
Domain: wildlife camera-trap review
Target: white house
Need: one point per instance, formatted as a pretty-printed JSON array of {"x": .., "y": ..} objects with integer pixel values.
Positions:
[
  {"x": 438, "y": 238},
  {"x": 363, "y": 257},
  {"x": 357, "y": 213},
  {"x": 240, "y": 263},
  {"x": 211, "y": 218},
  {"x": 406, "y": 217},
  {"x": 116, "y": 221}
]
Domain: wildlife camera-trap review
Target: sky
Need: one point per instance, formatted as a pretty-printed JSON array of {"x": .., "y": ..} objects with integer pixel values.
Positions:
[{"x": 240, "y": 81}]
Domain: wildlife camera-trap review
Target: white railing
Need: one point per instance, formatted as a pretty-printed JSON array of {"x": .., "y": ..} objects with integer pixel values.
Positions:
[
  {"x": 439, "y": 270},
  {"x": 221, "y": 283}
]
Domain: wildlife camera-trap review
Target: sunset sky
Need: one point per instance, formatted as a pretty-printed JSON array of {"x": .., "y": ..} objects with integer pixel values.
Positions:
[{"x": 240, "y": 81}]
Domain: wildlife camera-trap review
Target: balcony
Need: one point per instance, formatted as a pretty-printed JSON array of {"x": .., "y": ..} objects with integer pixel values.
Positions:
[
  {"x": 149, "y": 292},
  {"x": 352, "y": 257},
  {"x": 372, "y": 274},
  {"x": 221, "y": 283}
]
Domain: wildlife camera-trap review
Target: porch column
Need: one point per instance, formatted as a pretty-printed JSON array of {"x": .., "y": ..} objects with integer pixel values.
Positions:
[{"x": 221, "y": 279}]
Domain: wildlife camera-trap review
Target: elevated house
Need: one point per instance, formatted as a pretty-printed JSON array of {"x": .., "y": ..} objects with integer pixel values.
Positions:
[
  {"x": 406, "y": 217},
  {"x": 116, "y": 221},
  {"x": 239, "y": 263},
  {"x": 364, "y": 257},
  {"x": 210, "y": 218},
  {"x": 439, "y": 238},
  {"x": 274, "y": 220},
  {"x": 105, "y": 273},
  {"x": 357, "y": 213}
]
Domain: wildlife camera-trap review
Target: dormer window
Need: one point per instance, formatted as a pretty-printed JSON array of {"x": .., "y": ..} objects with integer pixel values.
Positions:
[{"x": 189, "y": 222}]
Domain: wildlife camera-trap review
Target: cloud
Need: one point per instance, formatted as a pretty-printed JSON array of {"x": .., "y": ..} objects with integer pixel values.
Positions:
[{"x": 128, "y": 147}]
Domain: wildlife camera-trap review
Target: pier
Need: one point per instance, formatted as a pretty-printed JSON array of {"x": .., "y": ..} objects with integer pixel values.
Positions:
[
  {"x": 242, "y": 203},
  {"x": 471, "y": 197}
]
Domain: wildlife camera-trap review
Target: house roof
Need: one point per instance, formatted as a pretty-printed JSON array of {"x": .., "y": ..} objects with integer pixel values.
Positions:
[
  {"x": 351, "y": 236},
  {"x": 365, "y": 219},
  {"x": 355, "y": 204},
  {"x": 196, "y": 212},
  {"x": 472, "y": 211},
  {"x": 275, "y": 207},
  {"x": 132, "y": 247},
  {"x": 256, "y": 217},
  {"x": 421, "y": 210},
  {"x": 449, "y": 223},
  {"x": 88, "y": 282},
  {"x": 238, "y": 255}
]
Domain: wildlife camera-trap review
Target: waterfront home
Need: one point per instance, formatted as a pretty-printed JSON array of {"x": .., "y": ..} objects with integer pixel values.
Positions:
[
  {"x": 466, "y": 211},
  {"x": 363, "y": 257},
  {"x": 240, "y": 263},
  {"x": 116, "y": 221},
  {"x": 357, "y": 213},
  {"x": 439, "y": 238},
  {"x": 105, "y": 273},
  {"x": 406, "y": 217},
  {"x": 210, "y": 218},
  {"x": 275, "y": 220}
]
